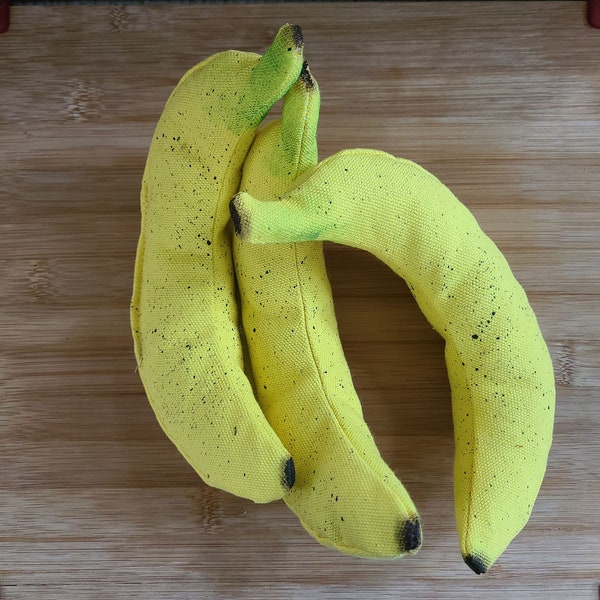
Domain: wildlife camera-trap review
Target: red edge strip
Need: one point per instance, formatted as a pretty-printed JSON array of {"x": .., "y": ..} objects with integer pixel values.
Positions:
[
  {"x": 593, "y": 13},
  {"x": 4, "y": 16}
]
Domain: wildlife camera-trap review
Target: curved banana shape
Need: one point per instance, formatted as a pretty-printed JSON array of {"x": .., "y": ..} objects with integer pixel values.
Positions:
[
  {"x": 183, "y": 310},
  {"x": 499, "y": 367},
  {"x": 345, "y": 495}
]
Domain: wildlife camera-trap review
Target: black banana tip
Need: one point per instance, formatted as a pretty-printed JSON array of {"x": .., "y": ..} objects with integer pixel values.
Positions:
[
  {"x": 475, "y": 563},
  {"x": 306, "y": 77},
  {"x": 410, "y": 535},
  {"x": 235, "y": 216},
  {"x": 297, "y": 37},
  {"x": 289, "y": 473}
]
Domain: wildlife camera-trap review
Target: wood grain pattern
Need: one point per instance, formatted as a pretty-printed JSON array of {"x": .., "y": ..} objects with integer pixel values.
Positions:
[{"x": 500, "y": 99}]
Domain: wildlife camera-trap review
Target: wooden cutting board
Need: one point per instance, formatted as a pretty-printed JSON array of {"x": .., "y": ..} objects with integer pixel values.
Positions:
[{"x": 501, "y": 100}]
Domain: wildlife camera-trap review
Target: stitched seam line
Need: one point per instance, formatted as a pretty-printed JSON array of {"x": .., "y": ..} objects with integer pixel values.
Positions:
[{"x": 402, "y": 498}]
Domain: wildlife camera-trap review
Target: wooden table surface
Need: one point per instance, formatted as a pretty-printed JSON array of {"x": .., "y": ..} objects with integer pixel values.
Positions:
[{"x": 500, "y": 99}]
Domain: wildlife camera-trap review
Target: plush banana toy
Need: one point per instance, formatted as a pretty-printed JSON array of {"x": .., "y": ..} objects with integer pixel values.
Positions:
[
  {"x": 186, "y": 333},
  {"x": 345, "y": 495},
  {"x": 183, "y": 312},
  {"x": 499, "y": 367}
]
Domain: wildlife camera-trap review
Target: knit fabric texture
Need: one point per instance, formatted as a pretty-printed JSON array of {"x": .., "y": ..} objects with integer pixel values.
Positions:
[
  {"x": 184, "y": 314},
  {"x": 345, "y": 495},
  {"x": 498, "y": 364}
]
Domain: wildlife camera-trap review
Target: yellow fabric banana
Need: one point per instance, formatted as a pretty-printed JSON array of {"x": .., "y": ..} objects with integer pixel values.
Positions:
[
  {"x": 345, "y": 495},
  {"x": 498, "y": 364},
  {"x": 183, "y": 310}
]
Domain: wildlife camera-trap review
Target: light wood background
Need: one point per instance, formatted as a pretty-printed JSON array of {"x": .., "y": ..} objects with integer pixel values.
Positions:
[{"x": 500, "y": 99}]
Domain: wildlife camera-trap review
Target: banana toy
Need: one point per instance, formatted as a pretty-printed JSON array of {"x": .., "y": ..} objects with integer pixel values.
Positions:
[
  {"x": 345, "y": 495},
  {"x": 183, "y": 311},
  {"x": 499, "y": 367}
]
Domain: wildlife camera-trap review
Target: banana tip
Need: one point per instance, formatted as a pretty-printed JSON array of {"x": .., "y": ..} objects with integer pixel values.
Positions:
[
  {"x": 236, "y": 217},
  {"x": 297, "y": 36},
  {"x": 306, "y": 77},
  {"x": 289, "y": 473},
  {"x": 410, "y": 535},
  {"x": 475, "y": 563}
]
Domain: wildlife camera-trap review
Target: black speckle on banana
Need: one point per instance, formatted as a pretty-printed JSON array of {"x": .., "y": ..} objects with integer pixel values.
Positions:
[
  {"x": 183, "y": 310},
  {"x": 498, "y": 364},
  {"x": 345, "y": 495}
]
